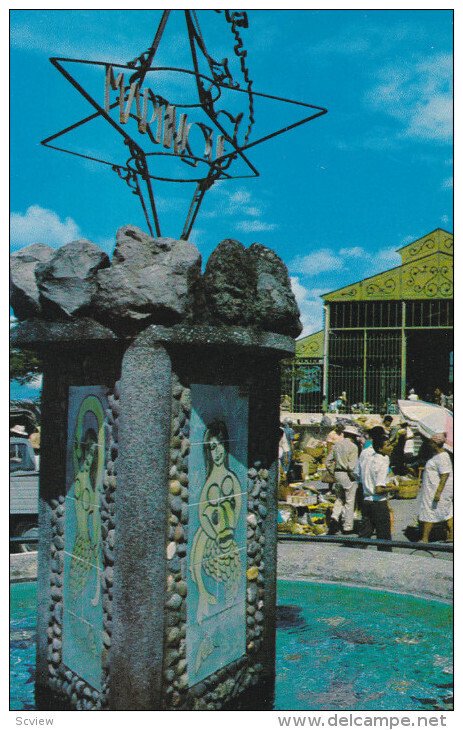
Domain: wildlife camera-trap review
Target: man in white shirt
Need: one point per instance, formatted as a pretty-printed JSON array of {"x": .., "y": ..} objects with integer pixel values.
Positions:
[{"x": 372, "y": 471}]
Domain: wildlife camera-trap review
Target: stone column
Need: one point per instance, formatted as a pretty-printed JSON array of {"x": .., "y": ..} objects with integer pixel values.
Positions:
[{"x": 140, "y": 535}]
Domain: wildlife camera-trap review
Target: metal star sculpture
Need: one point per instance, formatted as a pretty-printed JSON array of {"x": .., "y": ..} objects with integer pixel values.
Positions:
[{"x": 226, "y": 134}]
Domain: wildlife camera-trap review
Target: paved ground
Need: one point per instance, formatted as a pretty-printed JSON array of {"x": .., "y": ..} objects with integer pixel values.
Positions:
[
  {"x": 405, "y": 513},
  {"x": 23, "y": 566},
  {"x": 422, "y": 573}
]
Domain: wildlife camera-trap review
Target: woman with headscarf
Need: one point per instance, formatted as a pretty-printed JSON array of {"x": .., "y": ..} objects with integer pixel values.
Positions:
[{"x": 436, "y": 494}]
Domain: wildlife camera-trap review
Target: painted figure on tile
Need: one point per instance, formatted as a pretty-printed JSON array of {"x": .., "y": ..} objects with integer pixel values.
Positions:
[
  {"x": 215, "y": 551},
  {"x": 88, "y": 462},
  {"x": 205, "y": 649}
]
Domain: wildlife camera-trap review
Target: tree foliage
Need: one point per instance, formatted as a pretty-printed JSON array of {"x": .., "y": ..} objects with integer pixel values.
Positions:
[{"x": 24, "y": 365}]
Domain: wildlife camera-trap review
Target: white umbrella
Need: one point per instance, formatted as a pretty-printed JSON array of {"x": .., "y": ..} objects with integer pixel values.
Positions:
[{"x": 429, "y": 418}]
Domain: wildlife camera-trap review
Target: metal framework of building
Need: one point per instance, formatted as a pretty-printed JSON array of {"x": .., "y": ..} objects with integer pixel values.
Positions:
[{"x": 382, "y": 335}]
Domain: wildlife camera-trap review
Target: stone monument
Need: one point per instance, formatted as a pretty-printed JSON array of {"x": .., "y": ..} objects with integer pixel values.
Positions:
[{"x": 158, "y": 481}]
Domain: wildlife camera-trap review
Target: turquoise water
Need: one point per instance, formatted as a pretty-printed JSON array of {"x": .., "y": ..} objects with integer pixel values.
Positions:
[
  {"x": 338, "y": 648},
  {"x": 345, "y": 648},
  {"x": 23, "y": 599}
]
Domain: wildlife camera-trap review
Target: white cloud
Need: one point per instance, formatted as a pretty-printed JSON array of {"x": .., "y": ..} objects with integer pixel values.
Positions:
[
  {"x": 365, "y": 262},
  {"x": 40, "y": 225},
  {"x": 356, "y": 252},
  {"x": 239, "y": 204},
  {"x": 408, "y": 239},
  {"x": 228, "y": 203},
  {"x": 388, "y": 257},
  {"x": 299, "y": 290},
  {"x": 255, "y": 225},
  {"x": 444, "y": 219},
  {"x": 167, "y": 205},
  {"x": 317, "y": 263},
  {"x": 419, "y": 96},
  {"x": 197, "y": 236},
  {"x": 256, "y": 212},
  {"x": 240, "y": 197},
  {"x": 48, "y": 37},
  {"x": 447, "y": 184},
  {"x": 310, "y": 306}
]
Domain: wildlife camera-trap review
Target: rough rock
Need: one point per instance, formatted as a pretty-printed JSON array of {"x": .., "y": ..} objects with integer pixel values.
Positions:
[
  {"x": 67, "y": 282},
  {"x": 134, "y": 246},
  {"x": 229, "y": 284},
  {"x": 24, "y": 293},
  {"x": 150, "y": 281},
  {"x": 275, "y": 306},
  {"x": 155, "y": 281}
]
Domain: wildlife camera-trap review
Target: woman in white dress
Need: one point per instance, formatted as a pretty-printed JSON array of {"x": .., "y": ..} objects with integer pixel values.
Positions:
[{"x": 436, "y": 494}]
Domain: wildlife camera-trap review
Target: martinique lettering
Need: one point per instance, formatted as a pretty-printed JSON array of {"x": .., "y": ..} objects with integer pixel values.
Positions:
[{"x": 150, "y": 110}]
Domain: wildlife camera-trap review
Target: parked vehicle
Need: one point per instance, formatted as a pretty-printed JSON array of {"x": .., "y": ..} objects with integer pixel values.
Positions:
[{"x": 24, "y": 492}]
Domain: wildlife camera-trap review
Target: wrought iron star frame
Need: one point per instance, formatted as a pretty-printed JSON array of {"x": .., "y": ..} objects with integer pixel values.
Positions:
[{"x": 135, "y": 170}]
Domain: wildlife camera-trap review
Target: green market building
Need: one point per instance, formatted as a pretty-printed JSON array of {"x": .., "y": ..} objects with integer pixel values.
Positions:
[{"x": 382, "y": 335}]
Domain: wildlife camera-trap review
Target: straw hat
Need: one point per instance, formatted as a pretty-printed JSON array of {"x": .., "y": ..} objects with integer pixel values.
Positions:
[
  {"x": 352, "y": 430},
  {"x": 19, "y": 430}
]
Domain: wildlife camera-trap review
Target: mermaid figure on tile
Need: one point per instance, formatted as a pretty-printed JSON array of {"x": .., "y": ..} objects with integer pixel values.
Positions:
[
  {"x": 88, "y": 460},
  {"x": 215, "y": 551}
]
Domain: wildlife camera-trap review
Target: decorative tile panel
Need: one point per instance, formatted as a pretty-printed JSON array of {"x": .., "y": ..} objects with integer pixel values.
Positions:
[
  {"x": 216, "y": 553},
  {"x": 85, "y": 465}
]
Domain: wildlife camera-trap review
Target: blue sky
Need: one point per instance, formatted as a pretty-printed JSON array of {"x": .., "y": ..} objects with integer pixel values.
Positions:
[{"x": 335, "y": 197}]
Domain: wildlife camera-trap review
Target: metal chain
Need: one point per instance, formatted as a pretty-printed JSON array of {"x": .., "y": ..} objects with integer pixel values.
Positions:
[
  {"x": 240, "y": 20},
  {"x": 235, "y": 20}
]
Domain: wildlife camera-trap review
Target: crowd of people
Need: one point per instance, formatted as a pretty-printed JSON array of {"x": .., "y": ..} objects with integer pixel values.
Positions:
[
  {"x": 362, "y": 463},
  {"x": 342, "y": 404}
]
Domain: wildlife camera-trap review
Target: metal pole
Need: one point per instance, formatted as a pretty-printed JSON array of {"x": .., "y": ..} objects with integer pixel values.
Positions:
[
  {"x": 326, "y": 311},
  {"x": 293, "y": 386},
  {"x": 403, "y": 355},
  {"x": 146, "y": 61},
  {"x": 364, "y": 366}
]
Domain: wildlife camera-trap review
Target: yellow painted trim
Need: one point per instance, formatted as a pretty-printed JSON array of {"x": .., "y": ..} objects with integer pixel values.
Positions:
[
  {"x": 426, "y": 277},
  {"x": 310, "y": 346},
  {"x": 438, "y": 240}
]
